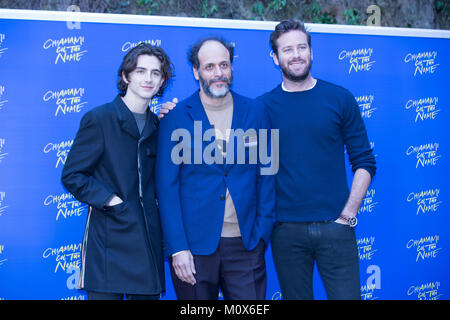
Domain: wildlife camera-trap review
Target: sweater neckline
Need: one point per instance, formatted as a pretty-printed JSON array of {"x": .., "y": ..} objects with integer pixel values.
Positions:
[{"x": 283, "y": 89}]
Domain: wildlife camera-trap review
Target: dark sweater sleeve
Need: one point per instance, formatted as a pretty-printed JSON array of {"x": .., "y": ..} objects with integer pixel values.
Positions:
[{"x": 355, "y": 137}]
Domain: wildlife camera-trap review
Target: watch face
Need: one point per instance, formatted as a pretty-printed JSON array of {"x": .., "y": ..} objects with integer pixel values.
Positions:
[{"x": 353, "y": 221}]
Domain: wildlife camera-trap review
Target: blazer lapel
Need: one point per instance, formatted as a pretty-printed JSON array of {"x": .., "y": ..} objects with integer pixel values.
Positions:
[
  {"x": 197, "y": 112},
  {"x": 237, "y": 123}
]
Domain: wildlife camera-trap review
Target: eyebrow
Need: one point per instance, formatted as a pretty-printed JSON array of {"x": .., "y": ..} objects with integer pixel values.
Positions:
[
  {"x": 212, "y": 63},
  {"x": 294, "y": 45},
  {"x": 143, "y": 68}
]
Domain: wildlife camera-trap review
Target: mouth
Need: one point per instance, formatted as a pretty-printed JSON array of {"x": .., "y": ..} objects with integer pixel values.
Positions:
[
  {"x": 297, "y": 62},
  {"x": 147, "y": 87}
]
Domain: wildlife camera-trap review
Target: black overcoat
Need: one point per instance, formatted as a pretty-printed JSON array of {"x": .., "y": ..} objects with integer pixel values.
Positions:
[{"x": 122, "y": 245}]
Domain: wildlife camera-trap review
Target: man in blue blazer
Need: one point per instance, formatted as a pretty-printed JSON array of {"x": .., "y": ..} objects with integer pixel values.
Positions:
[{"x": 215, "y": 195}]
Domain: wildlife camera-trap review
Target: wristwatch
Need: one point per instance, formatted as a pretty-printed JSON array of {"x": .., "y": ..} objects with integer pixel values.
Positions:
[{"x": 352, "y": 221}]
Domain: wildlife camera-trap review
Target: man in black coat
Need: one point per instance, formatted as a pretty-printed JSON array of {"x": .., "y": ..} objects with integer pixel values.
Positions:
[{"x": 111, "y": 168}]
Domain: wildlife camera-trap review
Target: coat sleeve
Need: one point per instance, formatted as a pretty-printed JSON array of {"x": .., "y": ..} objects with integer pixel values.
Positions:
[
  {"x": 265, "y": 182},
  {"x": 168, "y": 189},
  {"x": 78, "y": 172}
]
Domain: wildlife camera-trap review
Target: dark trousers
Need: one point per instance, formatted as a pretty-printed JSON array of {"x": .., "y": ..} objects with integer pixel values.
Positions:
[
  {"x": 93, "y": 295},
  {"x": 241, "y": 274},
  {"x": 297, "y": 246}
]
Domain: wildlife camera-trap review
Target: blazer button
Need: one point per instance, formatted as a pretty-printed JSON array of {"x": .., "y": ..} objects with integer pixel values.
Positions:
[
  {"x": 226, "y": 174},
  {"x": 222, "y": 197}
]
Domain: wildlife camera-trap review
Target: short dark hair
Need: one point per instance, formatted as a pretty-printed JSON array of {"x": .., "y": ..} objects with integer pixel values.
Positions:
[
  {"x": 193, "y": 51},
  {"x": 286, "y": 26},
  {"x": 129, "y": 64}
]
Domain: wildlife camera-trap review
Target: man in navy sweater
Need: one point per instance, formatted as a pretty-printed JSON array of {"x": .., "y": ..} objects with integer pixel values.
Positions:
[{"x": 315, "y": 211}]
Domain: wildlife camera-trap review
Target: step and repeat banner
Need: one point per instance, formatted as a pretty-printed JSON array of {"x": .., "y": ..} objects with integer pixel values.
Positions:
[{"x": 52, "y": 71}]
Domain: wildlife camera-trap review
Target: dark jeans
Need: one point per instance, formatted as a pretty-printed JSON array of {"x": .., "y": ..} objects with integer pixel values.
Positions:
[
  {"x": 297, "y": 246},
  {"x": 92, "y": 295},
  {"x": 241, "y": 274}
]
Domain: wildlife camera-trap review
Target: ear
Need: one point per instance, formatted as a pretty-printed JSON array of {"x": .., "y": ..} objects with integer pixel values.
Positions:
[
  {"x": 275, "y": 58},
  {"x": 195, "y": 71},
  {"x": 311, "y": 54},
  {"x": 124, "y": 78}
]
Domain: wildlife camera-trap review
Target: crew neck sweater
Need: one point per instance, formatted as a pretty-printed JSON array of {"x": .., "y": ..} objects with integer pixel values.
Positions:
[
  {"x": 140, "y": 118},
  {"x": 314, "y": 126},
  {"x": 220, "y": 118}
]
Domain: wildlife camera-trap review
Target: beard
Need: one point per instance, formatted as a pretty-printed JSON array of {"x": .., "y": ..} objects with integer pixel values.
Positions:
[
  {"x": 213, "y": 92},
  {"x": 296, "y": 77}
]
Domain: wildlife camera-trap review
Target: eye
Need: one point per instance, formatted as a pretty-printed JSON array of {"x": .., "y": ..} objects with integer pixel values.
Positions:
[
  {"x": 209, "y": 67},
  {"x": 224, "y": 65}
]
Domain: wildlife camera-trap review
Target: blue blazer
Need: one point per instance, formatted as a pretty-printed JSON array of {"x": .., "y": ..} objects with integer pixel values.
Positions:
[{"x": 192, "y": 196}]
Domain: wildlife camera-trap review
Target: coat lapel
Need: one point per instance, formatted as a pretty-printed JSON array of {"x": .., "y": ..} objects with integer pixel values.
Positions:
[
  {"x": 126, "y": 118},
  {"x": 128, "y": 122},
  {"x": 150, "y": 126}
]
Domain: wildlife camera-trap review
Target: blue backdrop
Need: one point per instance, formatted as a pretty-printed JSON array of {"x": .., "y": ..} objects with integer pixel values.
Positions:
[{"x": 50, "y": 75}]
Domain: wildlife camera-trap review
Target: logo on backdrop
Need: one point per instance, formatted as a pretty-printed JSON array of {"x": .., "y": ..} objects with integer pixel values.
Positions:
[
  {"x": 2, "y": 259},
  {"x": 426, "y": 108},
  {"x": 61, "y": 150},
  {"x": 427, "y": 200},
  {"x": 67, "y": 49},
  {"x": 426, "y": 247},
  {"x": 2, "y": 203},
  {"x": 373, "y": 283},
  {"x": 155, "y": 105},
  {"x": 66, "y": 205},
  {"x": 2, "y": 100},
  {"x": 424, "y": 62},
  {"x": 366, "y": 248},
  {"x": 368, "y": 204},
  {"x": 426, "y": 154},
  {"x": 68, "y": 101},
  {"x": 365, "y": 105},
  {"x": 277, "y": 295},
  {"x": 130, "y": 45},
  {"x": 358, "y": 59},
  {"x": 2, "y": 148},
  {"x": 2, "y": 39},
  {"x": 67, "y": 257},
  {"x": 425, "y": 291}
]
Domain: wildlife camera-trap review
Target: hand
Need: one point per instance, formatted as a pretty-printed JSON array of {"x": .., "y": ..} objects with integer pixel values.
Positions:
[
  {"x": 114, "y": 201},
  {"x": 341, "y": 221},
  {"x": 166, "y": 107},
  {"x": 183, "y": 264}
]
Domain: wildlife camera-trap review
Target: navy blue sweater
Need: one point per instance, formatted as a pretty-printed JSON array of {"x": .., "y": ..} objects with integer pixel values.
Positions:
[{"x": 314, "y": 126}]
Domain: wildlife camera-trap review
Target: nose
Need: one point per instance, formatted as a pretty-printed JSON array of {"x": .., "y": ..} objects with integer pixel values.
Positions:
[
  {"x": 217, "y": 71},
  {"x": 297, "y": 52},
  {"x": 148, "y": 77}
]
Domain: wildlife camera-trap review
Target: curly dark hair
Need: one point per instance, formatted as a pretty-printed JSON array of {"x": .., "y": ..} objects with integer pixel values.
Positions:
[
  {"x": 129, "y": 64},
  {"x": 286, "y": 26},
  {"x": 193, "y": 51}
]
